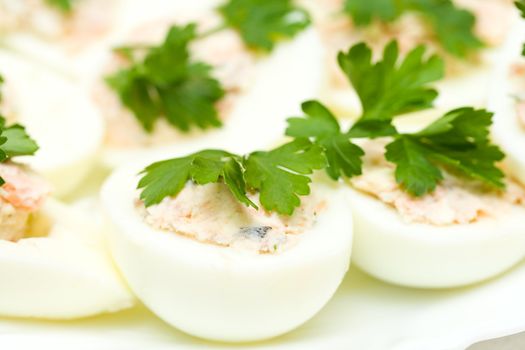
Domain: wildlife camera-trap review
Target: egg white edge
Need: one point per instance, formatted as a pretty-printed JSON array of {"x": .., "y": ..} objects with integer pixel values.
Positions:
[
  {"x": 429, "y": 256},
  {"x": 506, "y": 130},
  {"x": 118, "y": 195},
  {"x": 68, "y": 274}
]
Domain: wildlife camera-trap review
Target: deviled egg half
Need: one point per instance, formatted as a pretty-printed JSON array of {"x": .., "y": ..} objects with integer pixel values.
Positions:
[
  {"x": 53, "y": 262},
  {"x": 507, "y": 100},
  {"x": 57, "y": 33},
  {"x": 459, "y": 234},
  {"x": 58, "y": 114},
  {"x": 253, "y": 93},
  {"x": 214, "y": 268},
  {"x": 469, "y": 71}
]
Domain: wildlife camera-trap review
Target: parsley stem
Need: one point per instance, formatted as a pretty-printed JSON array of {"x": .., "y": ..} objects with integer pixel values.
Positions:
[
  {"x": 212, "y": 31},
  {"x": 126, "y": 49}
]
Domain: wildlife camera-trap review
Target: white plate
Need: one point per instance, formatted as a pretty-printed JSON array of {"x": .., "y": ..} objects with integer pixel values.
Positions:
[{"x": 365, "y": 314}]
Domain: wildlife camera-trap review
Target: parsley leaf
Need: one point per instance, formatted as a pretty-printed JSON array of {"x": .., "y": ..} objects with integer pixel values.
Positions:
[
  {"x": 389, "y": 88},
  {"x": 364, "y": 12},
  {"x": 414, "y": 171},
  {"x": 18, "y": 142},
  {"x": 261, "y": 23},
  {"x": 168, "y": 177},
  {"x": 168, "y": 83},
  {"x": 452, "y": 26},
  {"x": 458, "y": 140},
  {"x": 14, "y": 141},
  {"x": 65, "y": 6},
  {"x": 520, "y": 5},
  {"x": 280, "y": 174},
  {"x": 320, "y": 125}
]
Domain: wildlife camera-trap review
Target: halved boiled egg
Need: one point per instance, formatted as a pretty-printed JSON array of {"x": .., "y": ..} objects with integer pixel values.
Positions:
[
  {"x": 257, "y": 99},
  {"x": 215, "y": 269},
  {"x": 61, "y": 269},
  {"x": 59, "y": 34},
  {"x": 457, "y": 235},
  {"x": 507, "y": 102},
  {"x": 471, "y": 73},
  {"x": 58, "y": 114}
]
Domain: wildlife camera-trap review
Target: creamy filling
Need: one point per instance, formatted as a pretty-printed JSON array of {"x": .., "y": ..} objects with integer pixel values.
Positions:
[
  {"x": 232, "y": 63},
  {"x": 210, "y": 214},
  {"x": 88, "y": 21},
  {"x": 493, "y": 20},
  {"x": 454, "y": 201},
  {"x": 22, "y": 194}
]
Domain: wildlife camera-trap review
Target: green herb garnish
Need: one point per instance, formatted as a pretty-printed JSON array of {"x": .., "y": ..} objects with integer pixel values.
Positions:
[
  {"x": 168, "y": 83},
  {"x": 520, "y": 5},
  {"x": 388, "y": 88},
  {"x": 164, "y": 81},
  {"x": 459, "y": 140},
  {"x": 66, "y": 6},
  {"x": 280, "y": 175},
  {"x": 452, "y": 26},
  {"x": 261, "y": 23},
  {"x": 14, "y": 140}
]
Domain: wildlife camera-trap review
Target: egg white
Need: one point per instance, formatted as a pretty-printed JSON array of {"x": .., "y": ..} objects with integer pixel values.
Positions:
[
  {"x": 427, "y": 256},
  {"x": 59, "y": 116},
  {"x": 66, "y": 274},
  {"x": 68, "y": 54},
  {"x": 220, "y": 293},
  {"x": 288, "y": 76},
  {"x": 507, "y": 131}
]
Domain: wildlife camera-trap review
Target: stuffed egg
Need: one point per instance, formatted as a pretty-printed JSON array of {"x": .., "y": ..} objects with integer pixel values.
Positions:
[
  {"x": 53, "y": 261},
  {"x": 254, "y": 99},
  {"x": 63, "y": 34},
  {"x": 506, "y": 99},
  {"x": 464, "y": 71},
  {"x": 461, "y": 233},
  {"x": 216, "y": 269},
  {"x": 58, "y": 114}
]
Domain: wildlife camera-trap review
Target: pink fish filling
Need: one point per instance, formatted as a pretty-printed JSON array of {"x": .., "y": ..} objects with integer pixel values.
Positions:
[
  {"x": 210, "y": 214},
  {"x": 22, "y": 194},
  {"x": 233, "y": 66},
  {"x": 455, "y": 200}
]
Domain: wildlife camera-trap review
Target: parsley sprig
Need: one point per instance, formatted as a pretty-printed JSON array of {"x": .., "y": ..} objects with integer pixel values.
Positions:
[
  {"x": 403, "y": 87},
  {"x": 280, "y": 175},
  {"x": 261, "y": 23},
  {"x": 452, "y": 26},
  {"x": 520, "y": 5},
  {"x": 459, "y": 140},
  {"x": 166, "y": 82},
  {"x": 14, "y": 140},
  {"x": 66, "y": 6}
]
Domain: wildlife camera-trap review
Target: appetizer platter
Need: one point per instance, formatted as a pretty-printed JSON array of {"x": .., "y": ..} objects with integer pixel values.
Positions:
[{"x": 261, "y": 174}]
